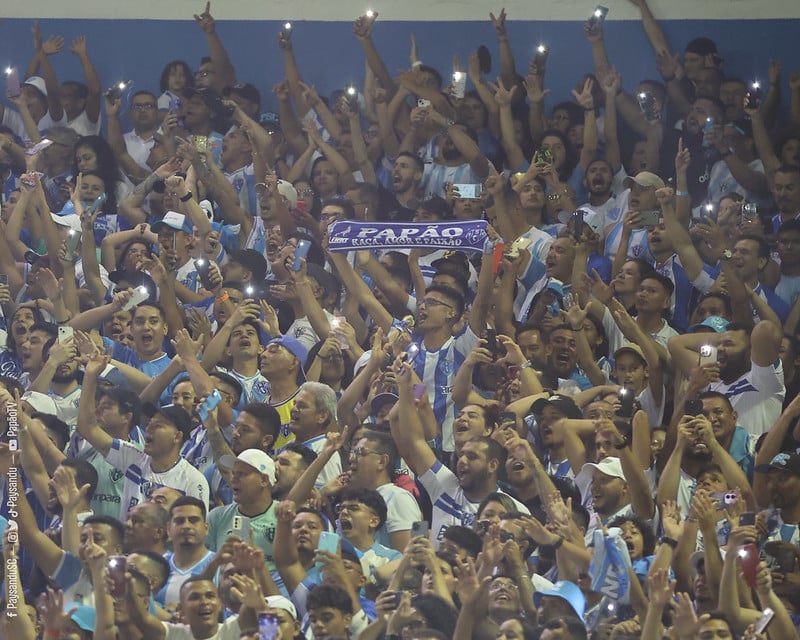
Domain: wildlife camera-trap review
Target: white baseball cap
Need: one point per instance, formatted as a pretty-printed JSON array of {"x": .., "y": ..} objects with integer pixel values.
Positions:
[
  {"x": 256, "y": 458},
  {"x": 71, "y": 220}
]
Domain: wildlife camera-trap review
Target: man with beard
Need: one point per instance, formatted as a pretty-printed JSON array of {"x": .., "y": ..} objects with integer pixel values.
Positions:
[
  {"x": 695, "y": 449},
  {"x": 401, "y": 203},
  {"x": 783, "y": 484},
  {"x": 531, "y": 343},
  {"x": 58, "y": 378},
  {"x": 599, "y": 181},
  {"x": 693, "y": 136},
  {"x": 748, "y": 371},
  {"x": 455, "y": 155},
  {"x": 455, "y": 496},
  {"x": 561, "y": 368},
  {"x": 786, "y": 192},
  {"x": 290, "y": 464},
  {"x": 557, "y": 272},
  {"x": 372, "y": 463},
  {"x": 549, "y": 442},
  {"x": 31, "y": 350},
  {"x": 749, "y": 256}
]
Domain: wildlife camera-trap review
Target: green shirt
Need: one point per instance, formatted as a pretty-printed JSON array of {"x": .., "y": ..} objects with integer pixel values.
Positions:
[{"x": 220, "y": 527}]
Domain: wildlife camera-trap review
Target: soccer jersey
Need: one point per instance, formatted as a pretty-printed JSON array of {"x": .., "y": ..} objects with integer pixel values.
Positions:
[
  {"x": 170, "y": 594},
  {"x": 284, "y": 410},
  {"x": 254, "y": 388},
  {"x": 67, "y": 406},
  {"x": 107, "y": 497},
  {"x": 332, "y": 468},
  {"x": 757, "y": 396},
  {"x": 450, "y": 506},
  {"x": 141, "y": 480},
  {"x": 437, "y": 370},
  {"x": 262, "y": 526}
]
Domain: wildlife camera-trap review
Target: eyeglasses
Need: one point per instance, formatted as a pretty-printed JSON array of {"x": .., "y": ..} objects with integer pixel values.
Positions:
[
  {"x": 351, "y": 508},
  {"x": 143, "y": 107},
  {"x": 335, "y": 357},
  {"x": 360, "y": 452},
  {"x": 502, "y": 584},
  {"x": 433, "y": 302}
]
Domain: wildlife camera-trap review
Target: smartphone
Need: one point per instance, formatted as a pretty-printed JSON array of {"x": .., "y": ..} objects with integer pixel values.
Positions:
[
  {"x": 72, "y": 242},
  {"x": 518, "y": 245},
  {"x": 327, "y": 542},
  {"x": 268, "y": 626},
  {"x": 748, "y": 554},
  {"x": 39, "y": 146},
  {"x": 116, "y": 567},
  {"x": 3, "y": 278},
  {"x": 419, "y": 528},
  {"x": 597, "y": 18},
  {"x": 115, "y": 92},
  {"x": 693, "y": 407},
  {"x": 140, "y": 294},
  {"x": 647, "y": 103},
  {"x": 241, "y": 527},
  {"x": 540, "y": 59},
  {"x": 626, "y": 398},
  {"x": 491, "y": 342},
  {"x": 423, "y": 103},
  {"x": 209, "y": 404},
  {"x": 754, "y": 96},
  {"x": 303, "y": 247},
  {"x": 96, "y": 204},
  {"x": 203, "y": 268},
  {"x": 507, "y": 416},
  {"x": 412, "y": 351},
  {"x": 12, "y": 82},
  {"x": 200, "y": 143},
  {"x": 174, "y": 106},
  {"x": 725, "y": 498},
  {"x": 764, "y": 620},
  {"x": 577, "y": 219},
  {"x": 65, "y": 333},
  {"x": 459, "y": 84},
  {"x": 747, "y": 519},
  {"x": 468, "y": 191},
  {"x": 708, "y": 354},
  {"x": 650, "y": 218},
  {"x": 708, "y": 127},
  {"x": 543, "y": 156},
  {"x": 749, "y": 212},
  {"x": 28, "y": 180},
  {"x": 484, "y": 59},
  {"x": 419, "y": 391}
]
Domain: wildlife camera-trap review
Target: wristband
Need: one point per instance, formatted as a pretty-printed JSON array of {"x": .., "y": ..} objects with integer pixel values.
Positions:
[
  {"x": 684, "y": 194},
  {"x": 187, "y": 197},
  {"x": 416, "y": 64},
  {"x": 671, "y": 542},
  {"x": 223, "y": 298},
  {"x": 527, "y": 365},
  {"x": 622, "y": 445},
  {"x": 558, "y": 543}
]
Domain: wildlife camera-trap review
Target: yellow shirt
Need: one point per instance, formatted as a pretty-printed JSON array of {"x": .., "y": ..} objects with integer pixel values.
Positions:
[{"x": 284, "y": 410}]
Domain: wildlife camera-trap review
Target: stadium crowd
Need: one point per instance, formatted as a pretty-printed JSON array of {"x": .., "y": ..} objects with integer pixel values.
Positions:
[{"x": 422, "y": 359}]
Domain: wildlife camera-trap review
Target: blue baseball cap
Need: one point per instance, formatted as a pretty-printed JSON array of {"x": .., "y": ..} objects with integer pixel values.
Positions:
[
  {"x": 565, "y": 590},
  {"x": 84, "y": 617},
  {"x": 174, "y": 220},
  {"x": 296, "y": 348},
  {"x": 715, "y": 323}
]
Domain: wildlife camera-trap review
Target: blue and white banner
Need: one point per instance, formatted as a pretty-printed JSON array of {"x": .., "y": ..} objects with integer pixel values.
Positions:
[
  {"x": 610, "y": 564},
  {"x": 348, "y": 235}
]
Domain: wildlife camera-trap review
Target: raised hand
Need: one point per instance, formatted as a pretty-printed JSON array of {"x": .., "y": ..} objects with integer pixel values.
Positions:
[
  {"x": 502, "y": 95},
  {"x": 499, "y": 23},
  {"x": 660, "y": 588},
  {"x": 585, "y": 98},
  {"x": 53, "y": 614},
  {"x": 682, "y": 159},
  {"x": 78, "y": 46},
  {"x": 205, "y": 20},
  {"x": 53, "y": 45}
]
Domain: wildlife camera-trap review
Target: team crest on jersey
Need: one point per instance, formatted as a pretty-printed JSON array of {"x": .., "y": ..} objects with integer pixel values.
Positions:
[
  {"x": 261, "y": 387},
  {"x": 116, "y": 475},
  {"x": 445, "y": 367}
]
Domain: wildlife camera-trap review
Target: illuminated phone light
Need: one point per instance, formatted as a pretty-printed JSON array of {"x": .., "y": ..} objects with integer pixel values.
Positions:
[
  {"x": 144, "y": 291},
  {"x": 250, "y": 291},
  {"x": 743, "y": 553},
  {"x": 541, "y": 49},
  {"x": 72, "y": 232},
  {"x": 370, "y": 13},
  {"x": 709, "y": 207},
  {"x": 287, "y": 26},
  {"x": 597, "y": 13},
  {"x": 9, "y": 71},
  {"x": 756, "y": 84},
  {"x": 642, "y": 96},
  {"x": 351, "y": 91},
  {"x": 200, "y": 262},
  {"x": 457, "y": 75},
  {"x": 122, "y": 85}
]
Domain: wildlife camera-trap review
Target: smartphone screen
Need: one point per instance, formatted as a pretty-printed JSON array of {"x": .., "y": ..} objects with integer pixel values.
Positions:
[
  {"x": 301, "y": 252},
  {"x": 577, "y": 218},
  {"x": 209, "y": 404},
  {"x": 419, "y": 528},
  {"x": 268, "y": 626},
  {"x": 12, "y": 82},
  {"x": 116, "y": 566},
  {"x": 625, "y": 403},
  {"x": 419, "y": 391}
]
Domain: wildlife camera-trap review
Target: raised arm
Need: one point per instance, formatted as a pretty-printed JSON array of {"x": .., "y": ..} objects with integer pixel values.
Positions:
[
  {"x": 410, "y": 437},
  {"x": 87, "y": 423},
  {"x": 224, "y": 73},
  {"x": 362, "y": 28},
  {"x": 78, "y": 47}
]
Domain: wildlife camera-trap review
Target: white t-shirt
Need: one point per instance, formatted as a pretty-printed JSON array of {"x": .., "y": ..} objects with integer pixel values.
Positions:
[
  {"x": 83, "y": 126},
  {"x": 757, "y": 396},
  {"x": 67, "y": 406},
  {"x": 332, "y": 468},
  {"x": 302, "y": 330},
  {"x": 13, "y": 121},
  {"x": 228, "y": 630},
  {"x": 138, "y": 148},
  {"x": 402, "y": 511},
  {"x": 616, "y": 339},
  {"x": 141, "y": 480}
]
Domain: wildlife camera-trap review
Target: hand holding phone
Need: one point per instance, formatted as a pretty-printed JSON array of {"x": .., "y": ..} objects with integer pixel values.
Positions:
[
  {"x": 13, "y": 87},
  {"x": 209, "y": 404},
  {"x": 116, "y": 567},
  {"x": 300, "y": 252}
]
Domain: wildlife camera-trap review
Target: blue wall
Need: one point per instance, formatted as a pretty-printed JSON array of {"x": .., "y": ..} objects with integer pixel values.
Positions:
[{"x": 330, "y": 56}]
